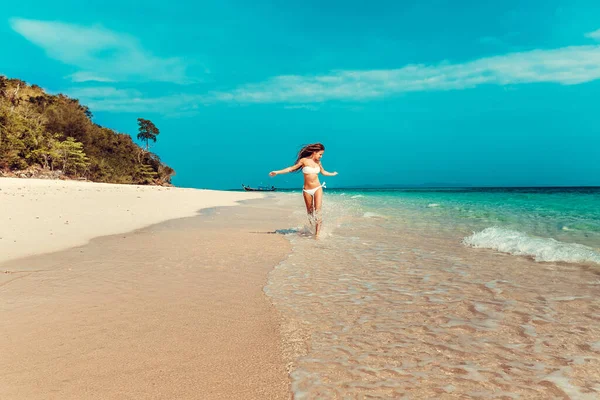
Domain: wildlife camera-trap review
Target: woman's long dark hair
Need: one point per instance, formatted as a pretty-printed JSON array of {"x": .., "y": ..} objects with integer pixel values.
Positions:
[{"x": 308, "y": 150}]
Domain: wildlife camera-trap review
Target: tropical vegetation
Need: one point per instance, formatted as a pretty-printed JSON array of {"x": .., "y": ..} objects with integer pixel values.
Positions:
[{"x": 44, "y": 132}]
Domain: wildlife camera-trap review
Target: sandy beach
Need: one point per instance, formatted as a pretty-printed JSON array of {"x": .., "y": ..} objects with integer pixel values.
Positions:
[
  {"x": 39, "y": 216},
  {"x": 173, "y": 310}
]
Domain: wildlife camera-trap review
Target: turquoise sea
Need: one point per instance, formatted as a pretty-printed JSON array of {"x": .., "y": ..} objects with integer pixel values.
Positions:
[
  {"x": 540, "y": 222},
  {"x": 443, "y": 293}
]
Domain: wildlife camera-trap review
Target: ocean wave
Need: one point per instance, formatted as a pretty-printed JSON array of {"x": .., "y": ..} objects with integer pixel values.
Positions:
[
  {"x": 431, "y": 205},
  {"x": 541, "y": 249},
  {"x": 357, "y": 196}
]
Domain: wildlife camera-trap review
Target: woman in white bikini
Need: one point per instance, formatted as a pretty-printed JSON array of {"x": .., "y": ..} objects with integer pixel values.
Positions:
[{"x": 309, "y": 159}]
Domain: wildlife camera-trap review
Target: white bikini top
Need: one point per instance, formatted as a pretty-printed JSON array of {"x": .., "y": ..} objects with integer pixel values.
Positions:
[{"x": 311, "y": 170}]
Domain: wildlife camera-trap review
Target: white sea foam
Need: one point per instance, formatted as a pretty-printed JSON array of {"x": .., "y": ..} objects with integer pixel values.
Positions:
[
  {"x": 357, "y": 196},
  {"x": 541, "y": 249},
  {"x": 432, "y": 205}
]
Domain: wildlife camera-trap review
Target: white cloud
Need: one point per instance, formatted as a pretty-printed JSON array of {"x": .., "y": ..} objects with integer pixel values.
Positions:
[
  {"x": 593, "y": 35},
  {"x": 103, "y": 92},
  {"x": 136, "y": 104},
  {"x": 105, "y": 98},
  {"x": 100, "y": 54},
  {"x": 301, "y": 107},
  {"x": 566, "y": 66},
  {"x": 83, "y": 76}
]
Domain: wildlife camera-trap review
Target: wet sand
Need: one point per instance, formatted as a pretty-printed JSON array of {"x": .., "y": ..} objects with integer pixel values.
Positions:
[{"x": 175, "y": 310}]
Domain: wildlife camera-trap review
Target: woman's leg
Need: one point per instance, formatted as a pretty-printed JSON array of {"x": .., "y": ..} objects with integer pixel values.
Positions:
[
  {"x": 318, "y": 200},
  {"x": 308, "y": 200}
]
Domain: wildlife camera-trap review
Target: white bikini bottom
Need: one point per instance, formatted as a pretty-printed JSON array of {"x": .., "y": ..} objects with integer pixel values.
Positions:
[{"x": 314, "y": 190}]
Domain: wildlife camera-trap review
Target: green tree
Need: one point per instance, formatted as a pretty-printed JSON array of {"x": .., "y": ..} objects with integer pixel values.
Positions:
[
  {"x": 44, "y": 151},
  {"x": 145, "y": 174},
  {"x": 70, "y": 153},
  {"x": 147, "y": 131}
]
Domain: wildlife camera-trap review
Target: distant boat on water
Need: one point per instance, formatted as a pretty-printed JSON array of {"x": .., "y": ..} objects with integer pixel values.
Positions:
[{"x": 259, "y": 189}]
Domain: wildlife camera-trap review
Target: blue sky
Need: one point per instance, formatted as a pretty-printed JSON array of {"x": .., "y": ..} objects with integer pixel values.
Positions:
[{"x": 409, "y": 92}]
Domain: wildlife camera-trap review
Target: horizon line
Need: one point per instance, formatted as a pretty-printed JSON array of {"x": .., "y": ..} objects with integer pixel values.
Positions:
[{"x": 423, "y": 186}]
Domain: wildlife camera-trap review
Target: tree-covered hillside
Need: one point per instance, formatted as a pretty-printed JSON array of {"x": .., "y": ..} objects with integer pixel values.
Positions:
[{"x": 44, "y": 133}]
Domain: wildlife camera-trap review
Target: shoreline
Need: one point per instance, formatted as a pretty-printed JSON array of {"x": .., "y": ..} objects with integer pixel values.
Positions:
[
  {"x": 52, "y": 215},
  {"x": 176, "y": 309}
]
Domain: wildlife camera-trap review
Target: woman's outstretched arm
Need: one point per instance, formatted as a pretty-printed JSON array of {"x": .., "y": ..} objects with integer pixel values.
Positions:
[
  {"x": 286, "y": 170},
  {"x": 325, "y": 173}
]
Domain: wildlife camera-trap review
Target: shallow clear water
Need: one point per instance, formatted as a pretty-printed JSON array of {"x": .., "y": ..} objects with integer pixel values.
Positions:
[
  {"x": 570, "y": 215},
  {"x": 438, "y": 294}
]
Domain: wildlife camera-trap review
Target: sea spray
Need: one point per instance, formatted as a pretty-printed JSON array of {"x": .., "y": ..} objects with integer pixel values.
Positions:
[{"x": 541, "y": 249}]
